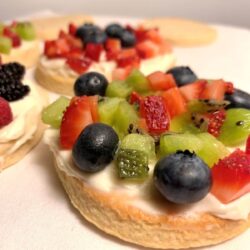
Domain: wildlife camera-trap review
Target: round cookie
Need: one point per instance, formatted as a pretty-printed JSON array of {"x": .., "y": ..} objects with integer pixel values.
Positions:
[{"x": 183, "y": 32}]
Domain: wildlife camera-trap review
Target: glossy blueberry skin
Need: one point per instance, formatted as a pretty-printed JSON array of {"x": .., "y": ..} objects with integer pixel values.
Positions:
[
  {"x": 97, "y": 36},
  {"x": 95, "y": 147},
  {"x": 114, "y": 30},
  {"x": 128, "y": 39},
  {"x": 182, "y": 75},
  {"x": 182, "y": 178},
  {"x": 85, "y": 29},
  {"x": 239, "y": 99},
  {"x": 92, "y": 83}
]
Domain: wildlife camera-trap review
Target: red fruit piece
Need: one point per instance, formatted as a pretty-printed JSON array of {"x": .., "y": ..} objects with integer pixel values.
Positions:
[
  {"x": 76, "y": 117},
  {"x": 56, "y": 48},
  {"x": 248, "y": 145},
  {"x": 147, "y": 49},
  {"x": 135, "y": 98},
  {"x": 112, "y": 46},
  {"x": 229, "y": 87},
  {"x": 72, "y": 41},
  {"x": 121, "y": 73},
  {"x": 174, "y": 101},
  {"x": 140, "y": 34},
  {"x": 78, "y": 64},
  {"x": 93, "y": 102},
  {"x": 128, "y": 57},
  {"x": 231, "y": 177},
  {"x": 6, "y": 116},
  {"x": 93, "y": 51},
  {"x": 16, "y": 40},
  {"x": 161, "y": 81},
  {"x": 193, "y": 90},
  {"x": 154, "y": 36},
  {"x": 215, "y": 90},
  {"x": 154, "y": 110},
  {"x": 72, "y": 29}
]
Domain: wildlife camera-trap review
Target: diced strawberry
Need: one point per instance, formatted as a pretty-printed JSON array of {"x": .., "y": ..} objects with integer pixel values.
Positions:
[
  {"x": 56, "y": 48},
  {"x": 93, "y": 102},
  {"x": 147, "y": 49},
  {"x": 229, "y": 87},
  {"x": 72, "y": 29},
  {"x": 193, "y": 90},
  {"x": 215, "y": 90},
  {"x": 135, "y": 98},
  {"x": 112, "y": 46},
  {"x": 128, "y": 57},
  {"x": 93, "y": 51},
  {"x": 154, "y": 110},
  {"x": 6, "y": 116},
  {"x": 140, "y": 34},
  {"x": 161, "y": 81},
  {"x": 154, "y": 36},
  {"x": 248, "y": 145},
  {"x": 79, "y": 65},
  {"x": 16, "y": 40},
  {"x": 121, "y": 73},
  {"x": 76, "y": 117},
  {"x": 231, "y": 177},
  {"x": 175, "y": 102},
  {"x": 72, "y": 41}
]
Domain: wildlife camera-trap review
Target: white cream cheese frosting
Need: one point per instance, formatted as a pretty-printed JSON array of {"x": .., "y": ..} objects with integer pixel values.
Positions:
[
  {"x": 147, "y": 66},
  {"x": 142, "y": 194},
  {"x": 26, "y": 112}
]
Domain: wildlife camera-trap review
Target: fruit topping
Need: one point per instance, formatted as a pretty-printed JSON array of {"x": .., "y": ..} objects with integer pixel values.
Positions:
[
  {"x": 231, "y": 177},
  {"x": 6, "y": 116},
  {"x": 174, "y": 101},
  {"x": 154, "y": 110},
  {"x": 203, "y": 106},
  {"x": 8, "y": 32},
  {"x": 84, "y": 30},
  {"x": 11, "y": 87},
  {"x": 5, "y": 45},
  {"x": 95, "y": 147},
  {"x": 53, "y": 113},
  {"x": 92, "y": 83},
  {"x": 248, "y": 145},
  {"x": 128, "y": 58},
  {"x": 193, "y": 90},
  {"x": 128, "y": 39},
  {"x": 25, "y": 30},
  {"x": 144, "y": 143},
  {"x": 236, "y": 127},
  {"x": 239, "y": 99},
  {"x": 210, "y": 122},
  {"x": 147, "y": 49},
  {"x": 159, "y": 81},
  {"x": 182, "y": 75},
  {"x": 93, "y": 51},
  {"x": 79, "y": 64},
  {"x": 182, "y": 177},
  {"x": 77, "y": 116},
  {"x": 132, "y": 164},
  {"x": 58, "y": 48},
  {"x": 118, "y": 89},
  {"x": 95, "y": 36},
  {"x": 114, "y": 30},
  {"x": 112, "y": 46}
]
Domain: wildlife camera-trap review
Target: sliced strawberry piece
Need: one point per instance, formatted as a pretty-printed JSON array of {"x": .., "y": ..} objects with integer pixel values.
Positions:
[
  {"x": 174, "y": 101},
  {"x": 6, "y": 116},
  {"x": 16, "y": 40},
  {"x": 128, "y": 57},
  {"x": 112, "y": 46},
  {"x": 248, "y": 145},
  {"x": 93, "y": 102},
  {"x": 72, "y": 41},
  {"x": 121, "y": 73},
  {"x": 56, "y": 48},
  {"x": 72, "y": 29},
  {"x": 161, "y": 81},
  {"x": 93, "y": 51},
  {"x": 135, "y": 98},
  {"x": 140, "y": 34},
  {"x": 229, "y": 87},
  {"x": 193, "y": 90},
  {"x": 231, "y": 177},
  {"x": 154, "y": 110},
  {"x": 79, "y": 65},
  {"x": 147, "y": 49},
  {"x": 215, "y": 90},
  {"x": 76, "y": 117},
  {"x": 154, "y": 36}
]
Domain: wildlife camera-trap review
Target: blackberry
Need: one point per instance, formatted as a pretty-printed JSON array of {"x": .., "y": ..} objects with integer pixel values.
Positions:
[
  {"x": 10, "y": 72},
  {"x": 14, "y": 91}
]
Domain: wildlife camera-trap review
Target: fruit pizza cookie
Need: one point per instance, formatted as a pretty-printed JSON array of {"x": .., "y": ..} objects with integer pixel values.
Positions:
[
  {"x": 168, "y": 144},
  {"x": 20, "y": 106},
  {"x": 112, "y": 51},
  {"x": 18, "y": 43}
]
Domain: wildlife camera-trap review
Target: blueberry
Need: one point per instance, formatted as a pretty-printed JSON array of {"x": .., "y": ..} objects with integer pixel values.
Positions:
[
  {"x": 85, "y": 29},
  {"x": 91, "y": 83},
  {"x": 95, "y": 147},
  {"x": 239, "y": 99},
  {"x": 96, "y": 36},
  {"x": 182, "y": 75},
  {"x": 182, "y": 177},
  {"x": 114, "y": 30},
  {"x": 128, "y": 39}
]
